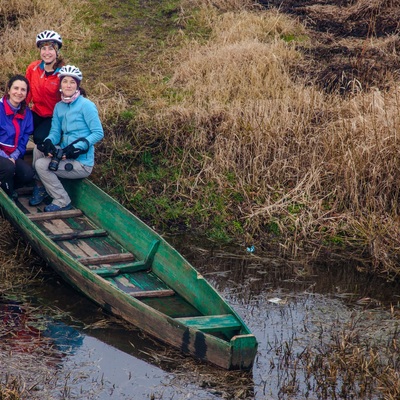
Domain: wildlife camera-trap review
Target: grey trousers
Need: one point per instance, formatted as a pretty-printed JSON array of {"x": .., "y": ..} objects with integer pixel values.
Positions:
[{"x": 50, "y": 179}]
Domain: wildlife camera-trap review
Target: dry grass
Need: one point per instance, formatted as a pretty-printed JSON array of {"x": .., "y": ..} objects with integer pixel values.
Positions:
[
  {"x": 22, "y": 20},
  {"x": 321, "y": 166},
  {"x": 16, "y": 259}
]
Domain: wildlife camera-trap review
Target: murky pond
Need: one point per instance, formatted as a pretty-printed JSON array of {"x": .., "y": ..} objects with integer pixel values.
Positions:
[{"x": 312, "y": 323}]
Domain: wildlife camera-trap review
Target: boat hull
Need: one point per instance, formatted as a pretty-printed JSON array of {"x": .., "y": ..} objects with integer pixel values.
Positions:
[{"x": 192, "y": 331}]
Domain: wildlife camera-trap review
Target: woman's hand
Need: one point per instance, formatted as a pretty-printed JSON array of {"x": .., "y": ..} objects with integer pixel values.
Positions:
[{"x": 48, "y": 148}]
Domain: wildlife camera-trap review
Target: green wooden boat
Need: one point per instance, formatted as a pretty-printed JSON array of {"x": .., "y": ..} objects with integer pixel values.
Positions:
[{"x": 119, "y": 262}]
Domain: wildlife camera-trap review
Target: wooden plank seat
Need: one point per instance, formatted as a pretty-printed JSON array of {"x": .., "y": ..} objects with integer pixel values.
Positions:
[
  {"x": 212, "y": 323},
  {"x": 131, "y": 267},
  {"x": 55, "y": 215},
  {"x": 78, "y": 235},
  {"x": 108, "y": 258},
  {"x": 121, "y": 269},
  {"x": 152, "y": 293}
]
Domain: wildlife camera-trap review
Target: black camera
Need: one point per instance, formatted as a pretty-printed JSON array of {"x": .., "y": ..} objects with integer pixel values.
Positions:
[{"x": 53, "y": 166}]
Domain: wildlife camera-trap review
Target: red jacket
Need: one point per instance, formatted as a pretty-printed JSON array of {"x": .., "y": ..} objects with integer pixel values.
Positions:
[{"x": 44, "y": 89}]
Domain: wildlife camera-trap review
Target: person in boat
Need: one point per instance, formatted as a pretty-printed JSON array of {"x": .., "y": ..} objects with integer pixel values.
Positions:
[
  {"x": 16, "y": 125},
  {"x": 44, "y": 83},
  {"x": 75, "y": 129}
]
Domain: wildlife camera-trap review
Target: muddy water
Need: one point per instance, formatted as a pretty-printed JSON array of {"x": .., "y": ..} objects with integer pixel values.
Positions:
[{"x": 66, "y": 348}]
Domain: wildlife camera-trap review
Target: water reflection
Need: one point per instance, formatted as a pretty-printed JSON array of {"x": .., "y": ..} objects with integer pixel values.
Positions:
[{"x": 296, "y": 312}]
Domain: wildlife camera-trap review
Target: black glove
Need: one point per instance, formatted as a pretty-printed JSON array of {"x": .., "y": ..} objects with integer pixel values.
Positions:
[
  {"x": 72, "y": 152},
  {"x": 47, "y": 147}
]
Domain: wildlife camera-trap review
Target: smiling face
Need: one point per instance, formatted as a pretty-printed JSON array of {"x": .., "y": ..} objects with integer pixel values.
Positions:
[
  {"x": 68, "y": 86},
  {"x": 17, "y": 93},
  {"x": 48, "y": 54}
]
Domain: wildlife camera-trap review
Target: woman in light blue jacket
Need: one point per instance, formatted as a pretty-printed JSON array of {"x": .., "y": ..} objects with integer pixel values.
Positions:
[{"x": 68, "y": 151}]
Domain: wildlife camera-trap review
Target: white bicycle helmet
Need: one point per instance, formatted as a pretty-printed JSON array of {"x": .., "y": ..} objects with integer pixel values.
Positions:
[
  {"x": 70, "y": 70},
  {"x": 48, "y": 36}
]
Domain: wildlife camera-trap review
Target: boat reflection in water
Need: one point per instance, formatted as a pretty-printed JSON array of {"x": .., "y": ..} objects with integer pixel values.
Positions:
[{"x": 23, "y": 330}]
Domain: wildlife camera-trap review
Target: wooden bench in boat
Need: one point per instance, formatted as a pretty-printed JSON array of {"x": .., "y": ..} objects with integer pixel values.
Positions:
[
  {"x": 153, "y": 293},
  {"x": 78, "y": 235},
  {"x": 97, "y": 259},
  {"x": 128, "y": 268},
  {"x": 125, "y": 262},
  {"x": 106, "y": 259},
  {"x": 212, "y": 323},
  {"x": 43, "y": 216}
]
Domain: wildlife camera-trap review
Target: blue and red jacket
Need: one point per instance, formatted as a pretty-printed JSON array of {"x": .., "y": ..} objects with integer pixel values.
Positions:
[{"x": 15, "y": 129}]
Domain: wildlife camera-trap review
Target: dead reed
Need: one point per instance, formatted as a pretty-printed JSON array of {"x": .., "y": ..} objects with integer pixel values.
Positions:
[
  {"x": 314, "y": 167},
  {"x": 321, "y": 167},
  {"x": 22, "y": 20}
]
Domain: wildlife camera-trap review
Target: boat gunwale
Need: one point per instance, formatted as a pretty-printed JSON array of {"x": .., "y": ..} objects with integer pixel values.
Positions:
[{"x": 40, "y": 241}]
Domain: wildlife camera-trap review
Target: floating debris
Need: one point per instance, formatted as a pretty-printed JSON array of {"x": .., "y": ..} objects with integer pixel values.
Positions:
[
  {"x": 250, "y": 249},
  {"x": 277, "y": 300}
]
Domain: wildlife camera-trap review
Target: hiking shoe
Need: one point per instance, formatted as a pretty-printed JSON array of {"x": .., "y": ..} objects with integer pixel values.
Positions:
[
  {"x": 39, "y": 194},
  {"x": 14, "y": 196},
  {"x": 53, "y": 207}
]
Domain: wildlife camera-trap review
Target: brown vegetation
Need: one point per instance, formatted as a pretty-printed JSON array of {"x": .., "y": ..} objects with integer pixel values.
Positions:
[
  {"x": 286, "y": 114},
  {"x": 312, "y": 148},
  {"x": 290, "y": 123}
]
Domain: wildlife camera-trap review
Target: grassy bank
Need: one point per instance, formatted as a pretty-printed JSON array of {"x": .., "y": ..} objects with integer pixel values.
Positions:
[{"x": 213, "y": 123}]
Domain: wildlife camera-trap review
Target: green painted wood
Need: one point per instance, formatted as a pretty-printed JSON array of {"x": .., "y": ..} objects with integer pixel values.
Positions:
[
  {"x": 121, "y": 269},
  {"x": 145, "y": 280},
  {"x": 212, "y": 323},
  {"x": 244, "y": 348},
  {"x": 127, "y": 228},
  {"x": 148, "y": 261},
  {"x": 134, "y": 267},
  {"x": 174, "y": 306},
  {"x": 193, "y": 295}
]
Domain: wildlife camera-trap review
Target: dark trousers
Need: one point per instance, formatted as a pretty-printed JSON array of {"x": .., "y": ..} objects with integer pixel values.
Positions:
[
  {"x": 15, "y": 175},
  {"x": 41, "y": 128}
]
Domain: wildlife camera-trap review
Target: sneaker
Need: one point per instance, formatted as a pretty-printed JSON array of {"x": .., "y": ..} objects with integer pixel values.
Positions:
[
  {"x": 39, "y": 194},
  {"x": 14, "y": 196},
  {"x": 52, "y": 207}
]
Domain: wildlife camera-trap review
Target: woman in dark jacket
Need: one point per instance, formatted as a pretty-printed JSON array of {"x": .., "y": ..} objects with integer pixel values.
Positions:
[{"x": 16, "y": 125}]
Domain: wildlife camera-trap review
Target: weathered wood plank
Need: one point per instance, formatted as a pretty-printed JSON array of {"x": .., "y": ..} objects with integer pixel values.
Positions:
[
  {"x": 212, "y": 323},
  {"x": 55, "y": 215},
  {"x": 148, "y": 261},
  {"x": 106, "y": 258},
  {"x": 121, "y": 269},
  {"x": 166, "y": 270},
  {"x": 124, "y": 282},
  {"x": 152, "y": 293},
  {"x": 133, "y": 267},
  {"x": 57, "y": 226},
  {"x": 78, "y": 234}
]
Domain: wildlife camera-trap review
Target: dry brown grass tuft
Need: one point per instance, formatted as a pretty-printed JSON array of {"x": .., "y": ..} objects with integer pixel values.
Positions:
[
  {"x": 16, "y": 260},
  {"x": 22, "y": 20},
  {"x": 319, "y": 166},
  {"x": 220, "y": 5},
  {"x": 314, "y": 163}
]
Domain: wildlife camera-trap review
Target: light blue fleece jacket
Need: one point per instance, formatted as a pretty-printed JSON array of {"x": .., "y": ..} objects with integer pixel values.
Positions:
[{"x": 79, "y": 119}]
